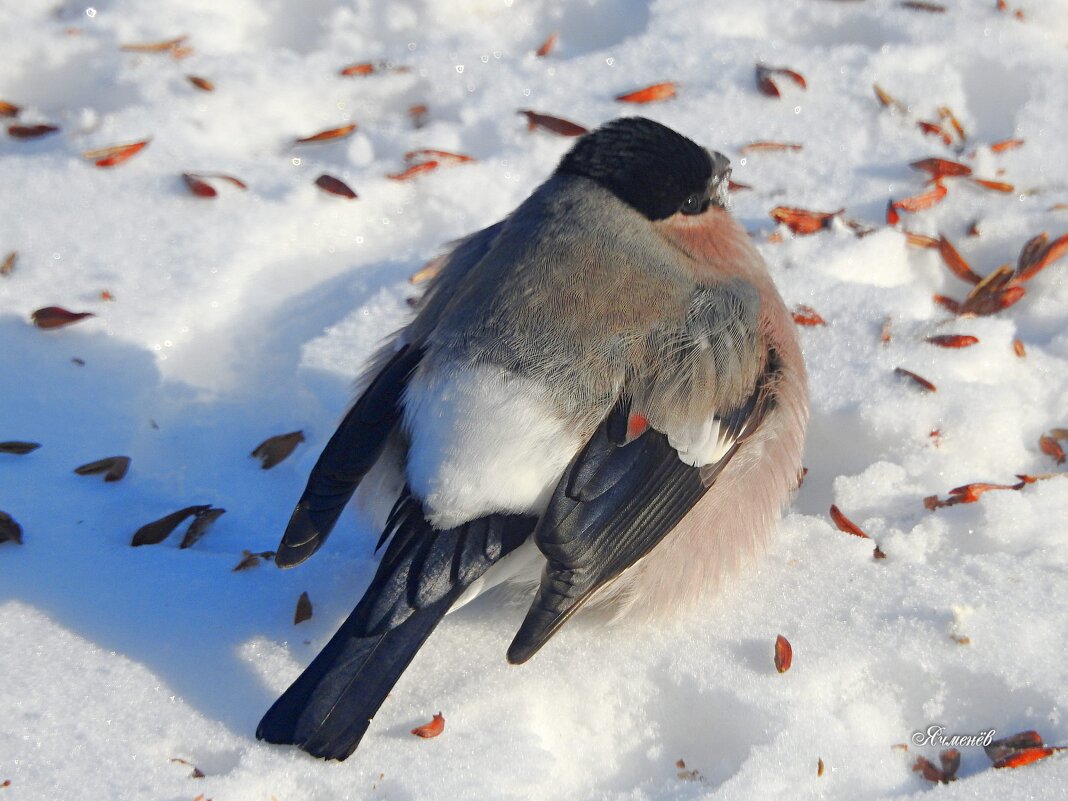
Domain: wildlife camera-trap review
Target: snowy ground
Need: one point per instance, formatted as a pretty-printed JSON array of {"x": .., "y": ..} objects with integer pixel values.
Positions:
[{"x": 248, "y": 315}]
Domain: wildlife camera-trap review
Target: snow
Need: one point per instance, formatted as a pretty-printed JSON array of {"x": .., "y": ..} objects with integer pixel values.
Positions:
[{"x": 250, "y": 314}]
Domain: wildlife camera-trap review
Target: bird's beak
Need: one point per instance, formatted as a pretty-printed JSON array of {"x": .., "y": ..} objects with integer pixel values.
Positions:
[{"x": 719, "y": 183}]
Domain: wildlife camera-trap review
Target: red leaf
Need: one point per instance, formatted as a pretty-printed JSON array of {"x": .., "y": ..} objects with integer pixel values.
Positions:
[
  {"x": 1051, "y": 448},
  {"x": 414, "y": 170},
  {"x": 1051, "y": 253},
  {"x": 1024, "y": 757},
  {"x": 57, "y": 317},
  {"x": 933, "y": 129},
  {"x": 939, "y": 168},
  {"x": 953, "y": 340},
  {"x": 845, "y": 524},
  {"x": 650, "y": 94},
  {"x": 115, "y": 154},
  {"x": 556, "y": 125},
  {"x": 335, "y": 186},
  {"x": 198, "y": 187},
  {"x": 546, "y": 46},
  {"x": 803, "y": 221},
  {"x": 806, "y": 315},
  {"x": 203, "y": 84},
  {"x": 947, "y": 303},
  {"x": 956, "y": 263},
  {"x": 328, "y": 135},
  {"x": 892, "y": 217},
  {"x": 996, "y": 186},
  {"x": 431, "y": 729},
  {"x": 765, "y": 84},
  {"x": 30, "y": 131},
  {"x": 1006, "y": 144},
  {"x": 920, "y": 380},
  {"x": 888, "y": 100},
  {"x": 921, "y": 202},
  {"x": 784, "y": 654},
  {"x": 363, "y": 68},
  {"x": 443, "y": 157},
  {"x": 992, "y": 301}
]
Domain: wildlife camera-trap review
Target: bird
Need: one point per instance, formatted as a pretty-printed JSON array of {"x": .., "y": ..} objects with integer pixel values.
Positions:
[{"x": 601, "y": 402}]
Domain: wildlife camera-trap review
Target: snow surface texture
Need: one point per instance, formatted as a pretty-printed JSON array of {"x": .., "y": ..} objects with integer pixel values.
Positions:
[{"x": 249, "y": 315}]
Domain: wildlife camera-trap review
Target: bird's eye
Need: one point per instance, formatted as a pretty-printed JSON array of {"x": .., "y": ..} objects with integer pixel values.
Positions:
[{"x": 694, "y": 204}]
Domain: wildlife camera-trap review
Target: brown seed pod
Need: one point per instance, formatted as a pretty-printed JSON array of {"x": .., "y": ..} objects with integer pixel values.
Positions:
[
  {"x": 766, "y": 146},
  {"x": 803, "y": 221},
  {"x": 784, "y": 654},
  {"x": 202, "y": 521},
  {"x": 953, "y": 340},
  {"x": 845, "y": 524},
  {"x": 335, "y": 186},
  {"x": 203, "y": 84},
  {"x": 806, "y": 315},
  {"x": 304, "y": 609},
  {"x": 158, "y": 530},
  {"x": 274, "y": 449},
  {"x": 917, "y": 379},
  {"x": 57, "y": 317},
  {"x": 547, "y": 46},
  {"x": 114, "y": 155},
  {"x": 10, "y": 531},
  {"x": 30, "y": 131}
]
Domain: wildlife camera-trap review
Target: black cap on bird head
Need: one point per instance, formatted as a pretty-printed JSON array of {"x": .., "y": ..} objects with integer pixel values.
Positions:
[{"x": 652, "y": 168}]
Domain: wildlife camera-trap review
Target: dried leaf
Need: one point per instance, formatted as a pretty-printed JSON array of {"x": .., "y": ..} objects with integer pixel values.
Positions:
[
  {"x": 547, "y": 46},
  {"x": 169, "y": 45},
  {"x": 115, "y": 154},
  {"x": 934, "y": 129},
  {"x": 919, "y": 380},
  {"x": 1051, "y": 253},
  {"x": 203, "y": 84},
  {"x": 845, "y": 524},
  {"x": 956, "y": 263},
  {"x": 996, "y": 186},
  {"x": 1018, "y": 750},
  {"x": 304, "y": 609},
  {"x": 113, "y": 467},
  {"x": 361, "y": 68},
  {"x": 947, "y": 303},
  {"x": 920, "y": 240},
  {"x": 197, "y": 186},
  {"x": 19, "y": 448},
  {"x": 759, "y": 147},
  {"x": 650, "y": 94},
  {"x": 946, "y": 115},
  {"x": 921, "y": 202},
  {"x": 556, "y": 125},
  {"x": 888, "y": 100},
  {"x": 431, "y": 729},
  {"x": 1051, "y": 448},
  {"x": 803, "y": 221},
  {"x": 1006, "y": 144},
  {"x": 444, "y": 157},
  {"x": 920, "y": 5},
  {"x": 418, "y": 114},
  {"x": 9, "y": 109},
  {"x": 202, "y": 521},
  {"x": 30, "y": 131},
  {"x": 784, "y": 654},
  {"x": 806, "y": 315},
  {"x": 10, "y": 531},
  {"x": 953, "y": 340},
  {"x": 7, "y": 266},
  {"x": 414, "y": 170},
  {"x": 819, "y": 767},
  {"x": 328, "y": 135},
  {"x": 57, "y": 317},
  {"x": 1018, "y": 348},
  {"x": 335, "y": 186},
  {"x": 248, "y": 560},
  {"x": 940, "y": 168},
  {"x": 158, "y": 530},
  {"x": 274, "y": 449}
]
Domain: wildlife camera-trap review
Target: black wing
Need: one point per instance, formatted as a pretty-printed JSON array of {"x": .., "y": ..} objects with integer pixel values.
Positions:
[
  {"x": 350, "y": 453},
  {"x": 424, "y": 571},
  {"x": 613, "y": 505}
]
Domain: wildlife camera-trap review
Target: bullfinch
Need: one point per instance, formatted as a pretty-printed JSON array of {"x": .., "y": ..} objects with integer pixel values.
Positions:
[{"x": 601, "y": 400}]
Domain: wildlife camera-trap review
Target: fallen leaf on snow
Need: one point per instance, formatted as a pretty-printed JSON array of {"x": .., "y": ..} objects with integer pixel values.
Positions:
[{"x": 274, "y": 449}]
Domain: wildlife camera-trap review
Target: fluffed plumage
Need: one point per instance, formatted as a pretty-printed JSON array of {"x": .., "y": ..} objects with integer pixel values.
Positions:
[{"x": 607, "y": 376}]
